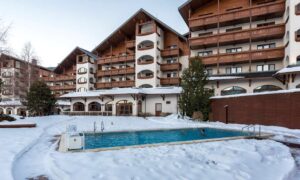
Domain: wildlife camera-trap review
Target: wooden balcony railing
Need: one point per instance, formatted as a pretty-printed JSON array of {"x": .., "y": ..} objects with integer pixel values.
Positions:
[
  {"x": 257, "y": 55},
  {"x": 103, "y": 85},
  {"x": 130, "y": 44},
  {"x": 59, "y": 78},
  {"x": 243, "y": 36},
  {"x": 272, "y": 9},
  {"x": 170, "y": 81},
  {"x": 116, "y": 59},
  {"x": 64, "y": 87},
  {"x": 171, "y": 67},
  {"x": 170, "y": 52},
  {"x": 113, "y": 72}
]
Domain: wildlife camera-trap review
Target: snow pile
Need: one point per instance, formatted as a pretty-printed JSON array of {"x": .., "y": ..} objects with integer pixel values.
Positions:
[
  {"x": 11, "y": 103},
  {"x": 215, "y": 78},
  {"x": 289, "y": 70},
  {"x": 27, "y": 153}
]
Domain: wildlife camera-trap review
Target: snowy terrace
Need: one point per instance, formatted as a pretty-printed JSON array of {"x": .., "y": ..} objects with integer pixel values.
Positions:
[{"x": 30, "y": 153}]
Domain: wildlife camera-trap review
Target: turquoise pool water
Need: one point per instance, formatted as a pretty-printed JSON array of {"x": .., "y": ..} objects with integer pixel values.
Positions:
[{"x": 119, "y": 139}]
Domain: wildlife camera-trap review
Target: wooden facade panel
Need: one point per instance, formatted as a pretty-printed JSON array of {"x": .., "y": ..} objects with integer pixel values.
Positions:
[{"x": 271, "y": 109}]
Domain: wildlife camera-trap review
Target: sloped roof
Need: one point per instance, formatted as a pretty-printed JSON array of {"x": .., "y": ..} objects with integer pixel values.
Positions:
[
  {"x": 190, "y": 4},
  {"x": 70, "y": 59},
  {"x": 140, "y": 13}
]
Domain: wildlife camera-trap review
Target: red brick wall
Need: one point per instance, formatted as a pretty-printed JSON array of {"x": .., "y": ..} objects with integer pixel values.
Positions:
[{"x": 271, "y": 109}]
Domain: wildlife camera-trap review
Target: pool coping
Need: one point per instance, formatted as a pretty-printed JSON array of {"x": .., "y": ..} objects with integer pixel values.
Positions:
[{"x": 62, "y": 147}]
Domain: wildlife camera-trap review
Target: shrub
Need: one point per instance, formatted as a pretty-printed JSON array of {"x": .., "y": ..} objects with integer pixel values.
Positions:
[{"x": 4, "y": 117}]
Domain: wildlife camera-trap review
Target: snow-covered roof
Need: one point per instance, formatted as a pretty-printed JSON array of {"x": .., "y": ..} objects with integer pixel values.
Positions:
[
  {"x": 289, "y": 70},
  {"x": 257, "y": 94},
  {"x": 121, "y": 91},
  {"x": 63, "y": 103},
  {"x": 11, "y": 103},
  {"x": 214, "y": 78}
]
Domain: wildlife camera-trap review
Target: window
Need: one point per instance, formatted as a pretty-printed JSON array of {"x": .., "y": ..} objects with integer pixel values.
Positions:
[
  {"x": 205, "y": 34},
  {"x": 233, "y": 90},
  {"x": 82, "y": 80},
  {"x": 94, "y": 106},
  {"x": 298, "y": 86},
  {"x": 205, "y": 53},
  {"x": 266, "y": 46},
  {"x": 266, "y": 24},
  {"x": 265, "y": 67},
  {"x": 146, "y": 45},
  {"x": 122, "y": 79},
  {"x": 146, "y": 59},
  {"x": 233, "y": 70},
  {"x": 146, "y": 28},
  {"x": 297, "y": 10},
  {"x": 265, "y": 88},
  {"x": 146, "y": 86},
  {"x": 234, "y": 29},
  {"x": 171, "y": 60},
  {"x": 297, "y": 35},
  {"x": 108, "y": 107},
  {"x": 298, "y": 59},
  {"x": 234, "y": 50},
  {"x": 82, "y": 70},
  {"x": 168, "y": 102},
  {"x": 80, "y": 59},
  {"x": 82, "y": 89},
  {"x": 172, "y": 47},
  {"x": 209, "y": 72},
  {"x": 171, "y": 74}
]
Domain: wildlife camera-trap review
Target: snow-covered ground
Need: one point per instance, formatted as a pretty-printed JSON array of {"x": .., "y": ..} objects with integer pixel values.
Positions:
[{"x": 27, "y": 153}]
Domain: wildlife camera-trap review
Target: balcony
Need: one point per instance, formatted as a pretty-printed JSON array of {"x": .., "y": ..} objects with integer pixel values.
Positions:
[
  {"x": 105, "y": 85},
  {"x": 257, "y": 55},
  {"x": 130, "y": 44},
  {"x": 243, "y": 36},
  {"x": 170, "y": 81},
  {"x": 113, "y": 72},
  {"x": 259, "y": 12},
  {"x": 170, "y": 52},
  {"x": 64, "y": 87},
  {"x": 171, "y": 67},
  {"x": 116, "y": 59},
  {"x": 59, "y": 78}
]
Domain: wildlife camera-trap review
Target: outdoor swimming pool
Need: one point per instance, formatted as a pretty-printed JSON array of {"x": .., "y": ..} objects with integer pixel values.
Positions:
[{"x": 120, "y": 139}]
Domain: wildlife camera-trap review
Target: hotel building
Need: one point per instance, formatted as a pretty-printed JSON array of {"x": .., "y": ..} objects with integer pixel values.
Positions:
[{"x": 244, "y": 43}]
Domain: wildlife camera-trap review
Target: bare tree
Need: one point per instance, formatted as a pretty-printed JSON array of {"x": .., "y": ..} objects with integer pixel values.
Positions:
[{"x": 3, "y": 37}]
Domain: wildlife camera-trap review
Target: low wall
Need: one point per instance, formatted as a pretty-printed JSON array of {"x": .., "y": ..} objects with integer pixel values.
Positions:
[{"x": 278, "y": 109}]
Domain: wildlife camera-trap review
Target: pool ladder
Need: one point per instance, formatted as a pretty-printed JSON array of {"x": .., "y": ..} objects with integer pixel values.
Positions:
[{"x": 251, "y": 129}]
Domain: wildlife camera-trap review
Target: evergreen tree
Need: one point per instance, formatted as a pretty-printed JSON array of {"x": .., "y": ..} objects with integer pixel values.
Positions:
[
  {"x": 194, "y": 96},
  {"x": 40, "y": 101}
]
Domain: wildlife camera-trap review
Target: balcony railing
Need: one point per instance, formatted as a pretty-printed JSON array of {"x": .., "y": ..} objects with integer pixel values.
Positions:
[
  {"x": 243, "y": 36},
  {"x": 170, "y": 52},
  {"x": 256, "y": 55},
  {"x": 116, "y": 59},
  {"x": 103, "y": 85},
  {"x": 171, "y": 67},
  {"x": 64, "y": 87},
  {"x": 113, "y": 72},
  {"x": 59, "y": 78},
  {"x": 258, "y": 12},
  {"x": 130, "y": 44},
  {"x": 170, "y": 81}
]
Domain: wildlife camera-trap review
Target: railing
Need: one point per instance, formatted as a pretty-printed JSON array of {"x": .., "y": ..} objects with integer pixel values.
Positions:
[
  {"x": 170, "y": 52},
  {"x": 170, "y": 81},
  {"x": 276, "y": 9},
  {"x": 116, "y": 59},
  {"x": 142, "y": 76},
  {"x": 243, "y": 36},
  {"x": 130, "y": 44},
  {"x": 257, "y": 55},
  {"x": 128, "y": 83},
  {"x": 60, "y": 78},
  {"x": 170, "y": 67},
  {"x": 78, "y": 113},
  {"x": 112, "y": 72},
  {"x": 64, "y": 87}
]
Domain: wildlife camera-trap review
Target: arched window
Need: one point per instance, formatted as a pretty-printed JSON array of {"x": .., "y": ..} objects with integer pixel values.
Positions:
[
  {"x": 297, "y": 35},
  {"x": 146, "y": 45},
  {"x": 91, "y": 70},
  {"x": 146, "y": 86},
  {"x": 91, "y": 80},
  {"x": 78, "y": 106},
  {"x": 82, "y": 80},
  {"x": 82, "y": 70},
  {"x": 146, "y": 59},
  {"x": 94, "y": 106},
  {"x": 298, "y": 86},
  {"x": 265, "y": 88},
  {"x": 233, "y": 90},
  {"x": 82, "y": 89},
  {"x": 297, "y": 10},
  {"x": 145, "y": 74}
]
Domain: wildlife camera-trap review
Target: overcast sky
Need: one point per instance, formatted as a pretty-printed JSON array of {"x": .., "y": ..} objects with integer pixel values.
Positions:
[{"x": 55, "y": 27}]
